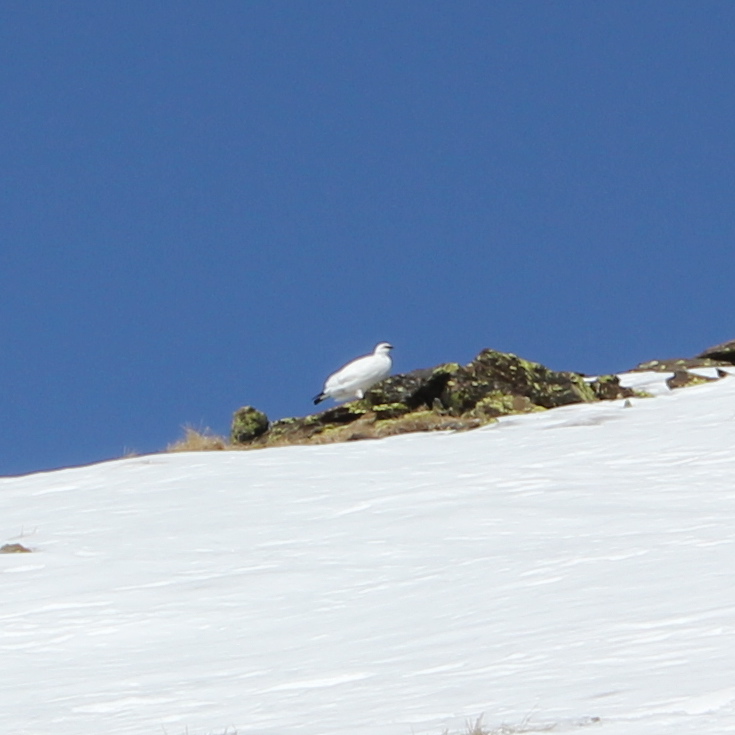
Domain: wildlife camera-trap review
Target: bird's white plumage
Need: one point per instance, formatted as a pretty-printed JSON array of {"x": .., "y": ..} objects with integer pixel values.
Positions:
[{"x": 352, "y": 380}]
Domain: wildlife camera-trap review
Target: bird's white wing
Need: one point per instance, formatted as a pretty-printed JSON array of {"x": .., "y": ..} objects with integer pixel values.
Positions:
[
  {"x": 357, "y": 372},
  {"x": 352, "y": 372}
]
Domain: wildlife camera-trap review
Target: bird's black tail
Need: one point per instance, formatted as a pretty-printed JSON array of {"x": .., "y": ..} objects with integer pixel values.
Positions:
[{"x": 319, "y": 398}]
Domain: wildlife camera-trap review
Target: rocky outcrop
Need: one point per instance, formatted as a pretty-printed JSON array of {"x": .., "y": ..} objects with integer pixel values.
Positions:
[
  {"x": 446, "y": 397},
  {"x": 724, "y": 353},
  {"x": 247, "y": 424},
  {"x": 684, "y": 378},
  {"x": 453, "y": 397},
  {"x": 676, "y": 364},
  {"x": 688, "y": 370},
  {"x": 492, "y": 377}
]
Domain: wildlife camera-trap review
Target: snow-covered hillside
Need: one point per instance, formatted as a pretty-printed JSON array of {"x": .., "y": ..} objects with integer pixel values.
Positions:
[{"x": 571, "y": 569}]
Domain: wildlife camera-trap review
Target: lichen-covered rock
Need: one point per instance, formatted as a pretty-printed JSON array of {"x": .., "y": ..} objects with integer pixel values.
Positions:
[
  {"x": 672, "y": 365},
  {"x": 247, "y": 424},
  {"x": 365, "y": 424},
  {"x": 501, "y": 404},
  {"x": 414, "y": 390},
  {"x": 722, "y": 353},
  {"x": 608, "y": 388},
  {"x": 493, "y": 372},
  {"x": 301, "y": 430},
  {"x": 683, "y": 379}
]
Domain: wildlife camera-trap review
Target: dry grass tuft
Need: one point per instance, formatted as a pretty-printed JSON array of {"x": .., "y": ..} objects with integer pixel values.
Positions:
[
  {"x": 198, "y": 441},
  {"x": 474, "y": 728},
  {"x": 525, "y": 726}
]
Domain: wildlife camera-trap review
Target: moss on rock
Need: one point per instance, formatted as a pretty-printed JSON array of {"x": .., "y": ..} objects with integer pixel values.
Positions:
[
  {"x": 492, "y": 373},
  {"x": 302, "y": 430},
  {"x": 390, "y": 410},
  {"x": 247, "y": 424},
  {"x": 415, "y": 390},
  {"x": 502, "y": 404}
]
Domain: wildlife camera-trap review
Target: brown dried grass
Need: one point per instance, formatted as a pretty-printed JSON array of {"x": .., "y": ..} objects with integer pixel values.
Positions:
[{"x": 199, "y": 441}]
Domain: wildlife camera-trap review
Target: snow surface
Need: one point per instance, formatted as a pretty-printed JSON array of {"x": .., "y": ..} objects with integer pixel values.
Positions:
[{"x": 569, "y": 570}]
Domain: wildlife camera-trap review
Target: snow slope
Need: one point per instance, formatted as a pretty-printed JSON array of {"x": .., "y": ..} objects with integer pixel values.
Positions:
[{"x": 571, "y": 569}]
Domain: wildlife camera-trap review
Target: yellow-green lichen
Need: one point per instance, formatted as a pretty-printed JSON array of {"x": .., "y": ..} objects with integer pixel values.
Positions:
[{"x": 501, "y": 404}]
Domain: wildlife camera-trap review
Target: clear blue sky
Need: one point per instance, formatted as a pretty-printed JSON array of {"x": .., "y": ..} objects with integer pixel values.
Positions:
[{"x": 213, "y": 204}]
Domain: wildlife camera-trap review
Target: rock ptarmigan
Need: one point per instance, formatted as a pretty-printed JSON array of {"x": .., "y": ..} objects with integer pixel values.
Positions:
[{"x": 352, "y": 380}]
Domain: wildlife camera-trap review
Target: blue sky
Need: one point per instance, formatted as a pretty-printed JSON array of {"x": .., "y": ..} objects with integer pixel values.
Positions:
[{"x": 208, "y": 205}]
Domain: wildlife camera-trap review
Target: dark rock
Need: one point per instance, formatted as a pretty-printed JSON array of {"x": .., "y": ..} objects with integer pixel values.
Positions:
[
  {"x": 492, "y": 373},
  {"x": 683, "y": 378},
  {"x": 723, "y": 353},
  {"x": 427, "y": 421},
  {"x": 14, "y": 549},
  {"x": 677, "y": 363},
  {"x": 300, "y": 430},
  {"x": 247, "y": 424},
  {"x": 414, "y": 390},
  {"x": 608, "y": 388},
  {"x": 501, "y": 404}
]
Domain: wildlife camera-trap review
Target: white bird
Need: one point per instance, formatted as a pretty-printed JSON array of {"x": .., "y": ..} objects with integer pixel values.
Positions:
[{"x": 352, "y": 380}]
